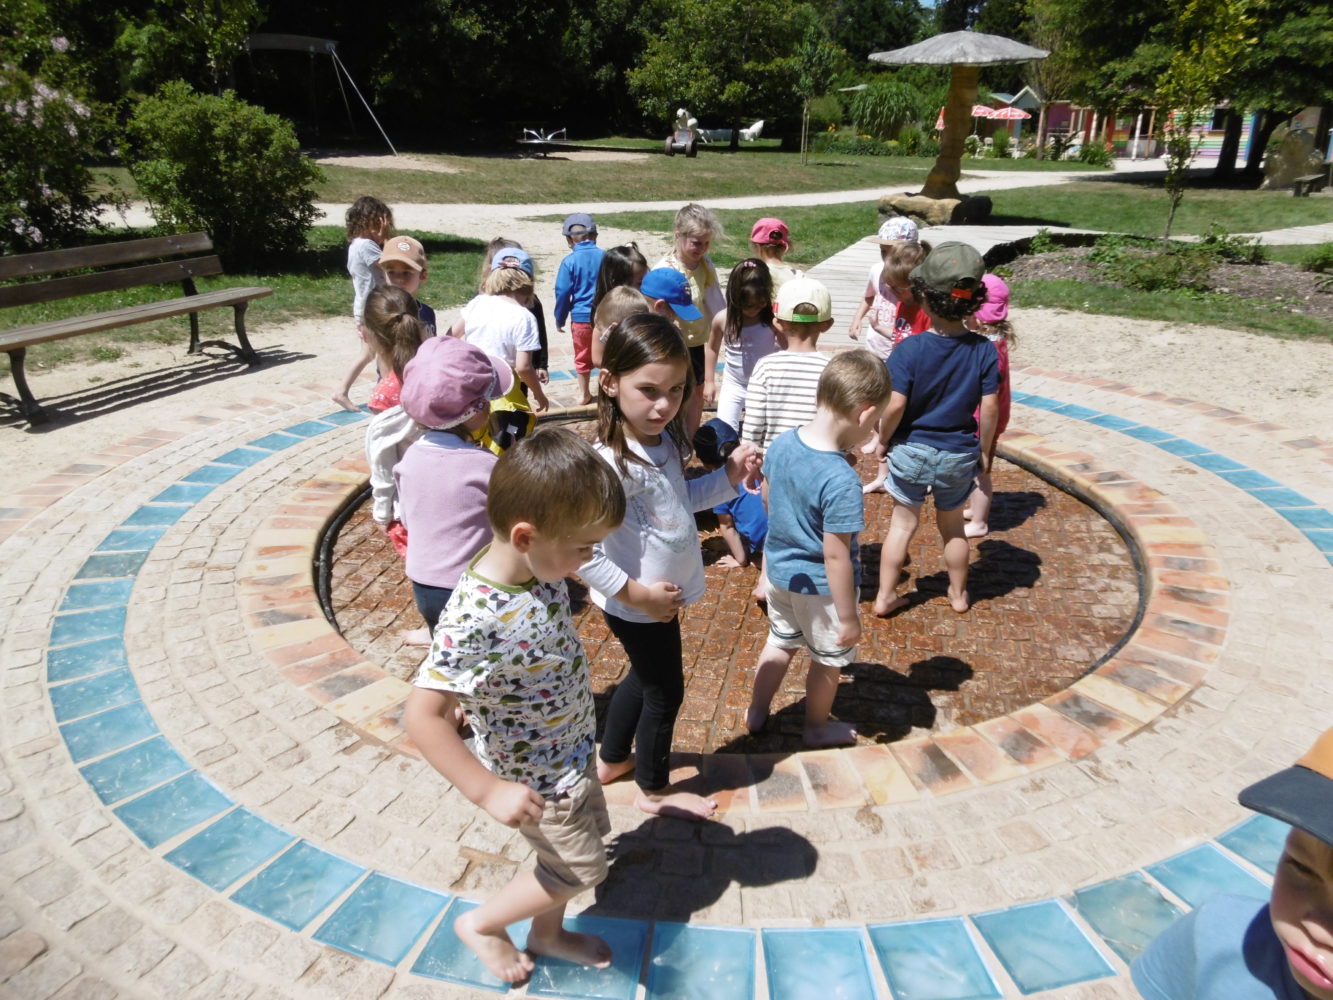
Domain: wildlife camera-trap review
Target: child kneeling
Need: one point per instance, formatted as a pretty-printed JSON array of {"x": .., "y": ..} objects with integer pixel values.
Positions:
[{"x": 506, "y": 648}]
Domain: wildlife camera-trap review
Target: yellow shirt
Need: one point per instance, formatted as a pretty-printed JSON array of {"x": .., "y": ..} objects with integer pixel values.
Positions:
[{"x": 706, "y": 293}]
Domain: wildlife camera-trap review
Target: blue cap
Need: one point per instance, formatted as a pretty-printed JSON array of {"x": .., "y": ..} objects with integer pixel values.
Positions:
[
  {"x": 578, "y": 224},
  {"x": 711, "y": 441},
  {"x": 672, "y": 287},
  {"x": 512, "y": 257}
]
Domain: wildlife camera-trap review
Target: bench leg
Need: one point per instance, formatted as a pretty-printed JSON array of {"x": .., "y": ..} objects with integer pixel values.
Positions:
[
  {"x": 195, "y": 346},
  {"x": 28, "y": 405},
  {"x": 247, "y": 352}
]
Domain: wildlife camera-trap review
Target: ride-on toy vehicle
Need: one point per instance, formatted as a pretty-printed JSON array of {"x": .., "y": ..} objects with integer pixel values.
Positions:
[{"x": 683, "y": 140}]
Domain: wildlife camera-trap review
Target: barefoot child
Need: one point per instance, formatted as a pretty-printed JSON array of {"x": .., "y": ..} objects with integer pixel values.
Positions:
[
  {"x": 992, "y": 322},
  {"x": 880, "y": 302},
  {"x": 402, "y": 262},
  {"x": 575, "y": 289},
  {"x": 743, "y": 335},
  {"x": 742, "y": 521},
  {"x": 940, "y": 379},
  {"x": 814, "y": 497},
  {"x": 770, "y": 239},
  {"x": 369, "y": 223},
  {"x": 506, "y": 649},
  {"x": 651, "y": 567}
]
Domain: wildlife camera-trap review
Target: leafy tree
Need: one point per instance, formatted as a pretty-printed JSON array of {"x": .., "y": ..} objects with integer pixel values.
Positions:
[
  {"x": 193, "y": 40},
  {"x": 956, "y": 15},
  {"x": 818, "y": 57},
  {"x": 865, "y": 26}
]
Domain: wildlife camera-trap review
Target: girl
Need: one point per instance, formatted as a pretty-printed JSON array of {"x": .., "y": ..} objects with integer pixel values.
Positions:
[
  {"x": 771, "y": 241},
  {"x": 369, "y": 223},
  {"x": 745, "y": 328},
  {"x": 540, "y": 358},
  {"x": 992, "y": 322},
  {"x": 696, "y": 228},
  {"x": 880, "y": 300},
  {"x": 616, "y": 305},
  {"x": 651, "y": 566},
  {"x": 622, "y": 265}
]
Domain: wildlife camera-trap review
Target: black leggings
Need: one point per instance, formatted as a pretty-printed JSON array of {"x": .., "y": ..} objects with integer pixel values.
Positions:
[{"x": 643, "y": 709}]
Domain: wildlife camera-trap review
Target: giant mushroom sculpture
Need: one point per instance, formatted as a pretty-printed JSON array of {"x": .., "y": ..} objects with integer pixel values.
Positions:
[{"x": 966, "y": 52}]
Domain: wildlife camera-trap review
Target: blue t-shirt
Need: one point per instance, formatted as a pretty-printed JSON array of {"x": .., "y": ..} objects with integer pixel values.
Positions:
[
  {"x": 943, "y": 379},
  {"x": 811, "y": 492},
  {"x": 747, "y": 510},
  {"x": 1224, "y": 950},
  {"x": 576, "y": 283},
  {"x": 427, "y": 317}
]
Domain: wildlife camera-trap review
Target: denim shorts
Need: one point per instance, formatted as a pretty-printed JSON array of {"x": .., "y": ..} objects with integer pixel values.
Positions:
[{"x": 915, "y": 468}]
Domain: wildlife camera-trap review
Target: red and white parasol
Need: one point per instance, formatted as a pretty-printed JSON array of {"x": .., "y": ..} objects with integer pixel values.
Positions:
[{"x": 1009, "y": 114}]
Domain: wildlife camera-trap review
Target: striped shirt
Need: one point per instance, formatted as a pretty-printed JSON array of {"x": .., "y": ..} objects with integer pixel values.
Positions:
[{"x": 781, "y": 395}]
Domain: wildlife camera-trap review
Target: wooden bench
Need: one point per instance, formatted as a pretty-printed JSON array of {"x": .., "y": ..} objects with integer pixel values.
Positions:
[
  {"x": 16, "y": 341},
  {"x": 1302, "y": 186}
]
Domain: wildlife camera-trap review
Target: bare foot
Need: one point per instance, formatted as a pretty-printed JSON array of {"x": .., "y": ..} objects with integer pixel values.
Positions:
[
  {"x": 967, "y": 513},
  {"x": 585, "y": 401},
  {"x": 415, "y": 637},
  {"x": 959, "y": 601},
  {"x": 869, "y": 447},
  {"x": 607, "y": 773},
  {"x": 885, "y": 606},
  {"x": 830, "y": 734},
  {"x": 682, "y": 805},
  {"x": 875, "y": 486},
  {"x": 974, "y": 530},
  {"x": 569, "y": 946},
  {"x": 728, "y": 562},
  {"x": 344, "y": 400},
  {"x": 496, "y": 951},
  {"x": 756, "y": 718}
]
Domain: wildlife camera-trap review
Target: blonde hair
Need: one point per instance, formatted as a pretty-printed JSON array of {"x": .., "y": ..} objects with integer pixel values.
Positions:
[
  {"x": 851, "y": 380},
  {"x": 556, "y": 482},
  {"x": 496, "y": 244},
  {"x": 694, "y": 218},
  {"x": 1003, "y": 329},
  {"x": 396, "y": 331},
  {"x": 507, "y": 281},
  {"x": 617, "y": 304},
  {"x": 900, "y": 259}
]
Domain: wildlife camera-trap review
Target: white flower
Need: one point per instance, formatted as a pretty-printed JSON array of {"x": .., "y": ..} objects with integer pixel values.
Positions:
[{"x": 60, "y": 43}]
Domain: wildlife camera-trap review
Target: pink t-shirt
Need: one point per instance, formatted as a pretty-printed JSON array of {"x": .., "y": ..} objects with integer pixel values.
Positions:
[{"x": 442, "y": 483}]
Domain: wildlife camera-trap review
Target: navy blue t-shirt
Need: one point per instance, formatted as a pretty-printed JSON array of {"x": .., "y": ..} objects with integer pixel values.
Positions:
[{"x": 943, "y": 379}]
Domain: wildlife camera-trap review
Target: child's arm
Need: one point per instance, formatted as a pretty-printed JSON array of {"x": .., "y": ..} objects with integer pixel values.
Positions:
[
  {"x": 524, "y": 370},
  {"x": 715, "y": 300},
  {"x": 726, "y": 527},
  {"x": 842, "y": 585},
  {"x": 564, "y": 294},
  {"x": 539, "y": 357},
  {"x": 860, "y": 316},
  {"x": 893, "y": 415},
  {"x": 990, "y": 415},
  {"x": 710, "y": 356},
  {"x": 459, "y": 329},
  {"x": 428, "y": 720}
]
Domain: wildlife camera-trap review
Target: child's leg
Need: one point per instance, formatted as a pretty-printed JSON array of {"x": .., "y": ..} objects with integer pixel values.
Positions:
[
  {"x": 760, "y": 592},
  {"x": 364, "y": 356},
  {"x": 768, "y": 676},
  {"x": 978, "y": 512},
  {"x": 581, "y": 334},
  {"x": 876, "y": 485},
  {"x": 956, "y": 554},
  {"x": 821, "y": 687},
  {"x": 893, "y": 555},
  {"x": 730, "y": 401}
]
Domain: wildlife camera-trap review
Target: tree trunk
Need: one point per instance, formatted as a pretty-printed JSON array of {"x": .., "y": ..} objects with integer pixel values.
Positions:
[
  {"x": 942, "y": 182},
  {"x": 735, "y": 136},
  {"x": 1226, "y": 156},
  {"x": 1268, "y": 123},
  {"x": 805, "y": 132},
  {"x": 1041, "y": 132}
]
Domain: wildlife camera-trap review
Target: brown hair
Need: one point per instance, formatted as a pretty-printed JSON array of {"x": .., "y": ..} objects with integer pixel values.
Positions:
[
  {"x": 395, "y": 330},
  {"x": 899, "y": 259},
  {"x": 556, "y": 482},
  {"x": 368, "y": 216},
  {"x": 618, "y": 304},
  {"x": 750, "y": 279},
  {"x": 617, "y": 269},
  {"x": 638, "y": 340},
  {"x": 852, "y": 379}
]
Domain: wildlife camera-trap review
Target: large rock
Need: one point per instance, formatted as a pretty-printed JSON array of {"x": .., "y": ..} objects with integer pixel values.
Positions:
[
  {"x": 968, "y": 210},
  {"x": 1294, "y": 158}
]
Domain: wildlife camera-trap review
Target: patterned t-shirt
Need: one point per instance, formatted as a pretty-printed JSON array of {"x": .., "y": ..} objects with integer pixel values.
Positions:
[{"x": 513, "y": 659}]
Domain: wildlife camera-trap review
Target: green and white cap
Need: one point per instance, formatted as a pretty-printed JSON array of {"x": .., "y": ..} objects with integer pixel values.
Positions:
[{"x": 803, "y": 291}]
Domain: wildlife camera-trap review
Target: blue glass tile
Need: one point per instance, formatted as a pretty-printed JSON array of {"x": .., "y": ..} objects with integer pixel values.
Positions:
[
  {"x": 308, "y": 428},
  {"x": 1217, "y": 463},
  {"x": 235, "y": 845},
  {"x": 85, "y": 659},
  {"x": 298, "y": 885},
  {"x": 244, "y": 457},
  {"x": 343, "y": 417},
  {"x": 151, "y": 516},
  {"x": 111, "y": 565},
  {"x": 1323, "y": 540},
  {"x": 1150, "y": 434},
  {"x": 106, "y": 731},
  {"x": 97, "y": 595},
  {"x": 381, "y": 919},
  {"x": 276, "y": 441},
  {"x": 80, "y": 626},
  {"x": 1203, "y": 872},
  {"x": 817, "y": 964},
  {"x": 134, "y": 770},
  {"x": 173, "y": 808},
  {"x": 1280, "y": 496},
  {"x": 214, "y": 474},
  {"x": 1315, "y": 519},
  {"x": 130, "y": 539},
  {"x": 1128, "y": 912},
  {"x": 560, "y": 376},
  {"x": 1076, "y": 411},
  {"x": 446, "y": 957},
  {"x": 627, "y": 939},
  {"x": 184, "y": 493},
  {"x": 93, "y": 694},
  {"x": 1248, "y": 479},
  {"x": 1041, "y": 947},
  {"x": 1113, "y": 422},
  {"x": 1259, "y": 840},
  {"x": 1040, "y": 402},
  {"x": 690, "y": 961},
  {"x": 1020, "y": 397},
  {"x": 1183, "y": 448},
  {"x": 932, "y": 960}
]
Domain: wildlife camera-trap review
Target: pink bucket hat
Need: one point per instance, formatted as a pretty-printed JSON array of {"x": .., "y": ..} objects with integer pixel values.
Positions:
[
  {"x": 996, "y": 307},
  {"x": 449, "y": 381}
]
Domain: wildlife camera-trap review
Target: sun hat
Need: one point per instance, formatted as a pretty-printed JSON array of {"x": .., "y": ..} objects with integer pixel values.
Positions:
[
  {"x": 898, "y": 229},
  {"x": 672, "y": 287},
  {"x": 801, "y": 291},
  {"x": 996, "y": 309},
  {"x": 1302, "y": 795},
  {"x": 449, "y": 380},
  {"x": 711, "y": 440},
  {"x": 512, "y": 257},
  {"x": 406, "y": 250},
  {"x": 953, "y": 268},
  {"x": 578, "y": 224},
  {"x": 771, "y": 231}
]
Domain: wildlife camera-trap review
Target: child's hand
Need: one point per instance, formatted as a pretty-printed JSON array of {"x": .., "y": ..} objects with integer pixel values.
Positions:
[
  {"x": 513, "y": 804},
  {"x": 710, "y": 393},
  {"x": 730, "y": 562},
  {"x": 849, "y": 633},
  {"x": 543, "y": 375},
  {"x": 745, "y": 465},
  {"x": 662, "y": 602},
  {"x": 855, "y": 332},
  {"x": 540, "y": 404}
]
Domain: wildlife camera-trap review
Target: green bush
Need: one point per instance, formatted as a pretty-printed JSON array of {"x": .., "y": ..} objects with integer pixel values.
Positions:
[
  {"x": 1141, "y": 264},
  {"x": 909, "y": 139},
  {"x": 824, "y": 111},
  {"x": 884, "y": 107},
  {"x": 1096, "y": 153},
  {"x": 1000, "y": 145},
  {"x": 1319, "y": 259},
  {"x": 1232, "y": 249},
  {"x": 846, "y": 142},
  {"x": 972, "y": 145},
  {"x": 226, "y": 167},
  {"x": 928, "y": 146}
]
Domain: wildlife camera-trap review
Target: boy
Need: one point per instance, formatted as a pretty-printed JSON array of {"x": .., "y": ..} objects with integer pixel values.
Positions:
[
  {"x": 929, "y": 434},
  {"x": 816, "y": 508},
  {"x": 781, "y": 394},
  {"x": 506, "y": 649},
  {"x": 742, "y": 521},
  {"x": 575, "y": 288},
  {"x": 668, "y": 294},
  {"x": 403, "y": 261},
  {"x": 1232, "y": 948}
]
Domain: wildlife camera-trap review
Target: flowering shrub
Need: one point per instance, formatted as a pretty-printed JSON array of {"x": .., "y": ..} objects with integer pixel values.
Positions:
[{"x": 1096, "y": 153}]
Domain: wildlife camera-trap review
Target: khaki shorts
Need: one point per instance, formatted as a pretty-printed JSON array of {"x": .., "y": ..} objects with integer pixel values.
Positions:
[
  {"x": 807, "y": 621},
  {"x": 571, "y": 856}
]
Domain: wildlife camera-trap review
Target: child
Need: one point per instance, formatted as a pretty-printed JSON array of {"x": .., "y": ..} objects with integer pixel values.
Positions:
[
  {"x": 369, "y": 223},
  {"x": 622, "y": 265},
  {"x": 575, "y": 286},
  {"x": 403, "y": 264},
  {"x": 742, "y": 521},
  {"x": 782, "y": 390},
  {"x": 696, "y": 228},
  {"x": 651, "y": 567},
  {"x": 540, "y": 357},
  {"x": 929, "y": 431},
  {"x": 1234, "y": 948},
  {"x": 618, "y": 304},
  {"x": 992, "y": 322},
  {"x": 668, "y": 295},
  {"x": 880, "y": 300},
  {"x": 745, "y": 328},
  {"x": 506, "y": 649},
  {"x": 442, "y": 478},
  {"x": 817, "y": 509},
  {"x": 771, "y": 241}
]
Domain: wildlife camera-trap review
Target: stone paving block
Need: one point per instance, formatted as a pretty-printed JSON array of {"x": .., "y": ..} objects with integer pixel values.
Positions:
[{"x": 44, "y": 976}]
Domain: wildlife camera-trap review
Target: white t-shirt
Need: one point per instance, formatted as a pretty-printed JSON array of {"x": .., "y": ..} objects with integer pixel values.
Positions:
[
  {"x": 756, "y": 342},
  {"x": 882, "y": 312},
  {"x": 500, "y": 327}
]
